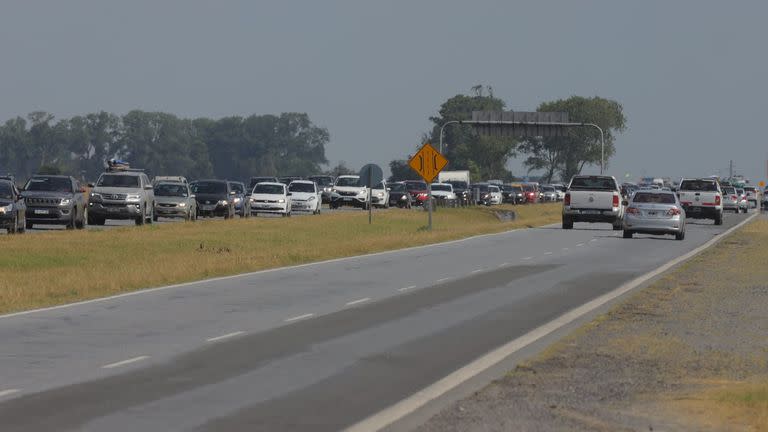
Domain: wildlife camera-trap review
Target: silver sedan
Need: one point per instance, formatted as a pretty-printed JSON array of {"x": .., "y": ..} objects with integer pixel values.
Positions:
[{"x": 654, "y": 212}]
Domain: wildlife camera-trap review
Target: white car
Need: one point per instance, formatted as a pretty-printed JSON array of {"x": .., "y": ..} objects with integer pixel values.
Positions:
[
  {"x": 305, "y": 196},
  {"x": 271, "y": 198},
  {"x": 347, "y": 191},
  {"x": 380, "y": 195},
  {"x": 443, "y": 191},
  {"x": 496, "y": 196}
]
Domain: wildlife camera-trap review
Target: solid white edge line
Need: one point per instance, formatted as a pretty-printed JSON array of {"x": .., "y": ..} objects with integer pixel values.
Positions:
[
  {"x": 442, "y": 279},
  {"x": 580, "y": 244},
  {"x": 527, "y": 258},
  {"x": 354, "y": 302},
  {"x": 124, "y": 362},
  {"x": 300, "y": 317},
  {"x": 272, "y": 270},
  {"x": 8, "y": 392},
  {"x": 224, "y": 336},
  {"x": 477, "y": 271},
  {"x": 547, "y": 253},
  {"x": 407, "y": 288},
  {"x": 412, "y": 403}
]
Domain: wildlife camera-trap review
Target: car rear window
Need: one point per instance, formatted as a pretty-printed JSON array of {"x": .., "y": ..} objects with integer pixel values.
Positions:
[
  {"x": 593, "y": 183},
  {"x": 440, "y": 187},
  {"x": 6, "y": 191},
  {"x": 657, "y": 198},
  {"x": 698, "y": 185}
]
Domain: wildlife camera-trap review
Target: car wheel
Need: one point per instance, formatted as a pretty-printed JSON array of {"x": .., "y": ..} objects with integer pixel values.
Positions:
[
  {"x": 30, "y": 225},
  {"x": 12, "y": 227},
  {"x": 72, "y": 220},
  {"x": 628, "y": 234},
  {"x": 154, "y": 217},
  {"x": 617, "y": 226},
  {"x": 140, "y": 220},
  {"x": 22, "y": 224},
  {"x": 289, "y": 214},
  {"x": 151, "y": 218},
  {"x": 680, "y": 235},
  {"x": 719, "y": 219},
  {"x": 567, "y": 223}
]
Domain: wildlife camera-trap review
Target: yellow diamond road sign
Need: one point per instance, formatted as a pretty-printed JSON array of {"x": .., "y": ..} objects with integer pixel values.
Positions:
[{"x": 428, "y": 162}]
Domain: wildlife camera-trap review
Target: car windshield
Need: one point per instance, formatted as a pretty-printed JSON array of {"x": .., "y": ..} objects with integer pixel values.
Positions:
[
  {"x": 322, "y": 180},
  {"x": 458, "y": 184},
  {"x": 517, "y": 189},
  {"x": 119, "y": 181},
  {"x": 416, "y": 186},
  {"x": 171, "y": 190},
  {"x": 269, "y": 189},
  {"x": 49, "y": 184},
  {"x": 729, "y": 190},
  {"x": 210, "y": 187},
  {"x": 397, "y": 187},
  {"x": 654, "y": 198},
  {"x": 441, "y": 187},
  {"x": 237, "y": 187},
  {"x": 302, "y": 187},
  {"x": 493, "y": 188},
  {"x": 6, "y": 191},
  {"x": 593, "y": 183},
  {"x": 482, "y": 188},
  {"x": 346, "y": 181},
  {"x": 548, "y": 189},
  {"x": 698, "y": 185}
]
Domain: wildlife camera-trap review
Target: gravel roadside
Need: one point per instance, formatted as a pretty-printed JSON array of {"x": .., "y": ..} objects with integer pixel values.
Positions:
[{"x": 690, "y": 352}]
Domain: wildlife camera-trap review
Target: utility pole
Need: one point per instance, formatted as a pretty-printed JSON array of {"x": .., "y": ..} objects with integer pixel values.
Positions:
[{"x": 730, "y": 170}]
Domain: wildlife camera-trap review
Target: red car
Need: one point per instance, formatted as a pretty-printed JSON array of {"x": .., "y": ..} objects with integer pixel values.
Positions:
[
  {"x": 531, "y": 193},
  {"x": 418, "y": 191}
]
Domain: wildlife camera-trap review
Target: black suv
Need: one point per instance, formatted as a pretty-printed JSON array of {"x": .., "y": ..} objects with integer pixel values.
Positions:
[
  {"x": 55, "y": 200},
  {"x": 214, "y": 198},
  {"x": 11, "y": 208}
]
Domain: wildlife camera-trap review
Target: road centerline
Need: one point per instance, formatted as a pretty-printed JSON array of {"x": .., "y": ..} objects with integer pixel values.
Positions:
[
  {"x": 224, "y": 336},
  {"x": 300, "y": 317},
  {"x": 124, "y": 362},
  {"x": 8, "y": 392},
  {"x": 358, "y": 301}
]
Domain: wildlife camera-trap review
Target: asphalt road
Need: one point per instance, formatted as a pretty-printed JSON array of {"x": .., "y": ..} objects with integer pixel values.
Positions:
[{"x": 311, "y": 348}]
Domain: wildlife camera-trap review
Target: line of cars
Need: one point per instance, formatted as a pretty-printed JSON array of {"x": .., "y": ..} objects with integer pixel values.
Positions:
[{"x": 650, "y": 210}]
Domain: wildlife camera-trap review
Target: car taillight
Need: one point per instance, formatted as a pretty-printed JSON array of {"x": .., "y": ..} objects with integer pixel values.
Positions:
[
  {"x": 615, "y": 200},
  {"x": 567, "y": 199},
  {"x": 674, "y": 211},
  {"x": 717, "y": 200},
  {"x": 633, "y": 210},
  {"x": 733, "y": 197}
]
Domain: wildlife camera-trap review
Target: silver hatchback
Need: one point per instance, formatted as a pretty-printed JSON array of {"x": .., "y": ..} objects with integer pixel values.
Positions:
[{"x": 654, "y": 212}]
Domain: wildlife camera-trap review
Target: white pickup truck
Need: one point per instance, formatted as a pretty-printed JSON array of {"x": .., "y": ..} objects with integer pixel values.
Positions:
[
  {"x": 593, "y": 199},
  {"x": 701, "y": 199}
]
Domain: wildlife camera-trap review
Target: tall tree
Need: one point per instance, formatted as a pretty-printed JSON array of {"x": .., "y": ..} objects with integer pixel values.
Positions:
[{"x": 570, "y": 154}]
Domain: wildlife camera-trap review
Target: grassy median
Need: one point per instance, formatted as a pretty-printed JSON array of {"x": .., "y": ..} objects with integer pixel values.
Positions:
[{"x": 52, "y": 268}]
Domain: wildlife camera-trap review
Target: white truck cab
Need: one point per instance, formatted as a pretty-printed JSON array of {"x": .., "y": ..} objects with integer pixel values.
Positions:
[{"x": 594, "y": 199}]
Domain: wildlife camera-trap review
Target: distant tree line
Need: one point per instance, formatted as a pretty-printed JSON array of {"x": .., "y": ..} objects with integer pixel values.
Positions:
[
  {"x": 163, "y": 144},
  {"x": 487, "y": 157}
]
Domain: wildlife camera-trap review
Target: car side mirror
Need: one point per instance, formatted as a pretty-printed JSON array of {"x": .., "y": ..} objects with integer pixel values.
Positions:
[
  {"x": 625, "y": 203},
  {"x": 193, "y": 196},
  {"x": 389, "y": 189},
  {"x": 91, "y": 185},
  {"x": 289, "y": 194},
  {"x": 149, "y": 187}
]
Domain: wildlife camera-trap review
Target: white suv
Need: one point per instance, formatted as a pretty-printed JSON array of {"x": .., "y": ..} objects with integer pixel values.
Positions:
[{"x": 348, "y": 191}]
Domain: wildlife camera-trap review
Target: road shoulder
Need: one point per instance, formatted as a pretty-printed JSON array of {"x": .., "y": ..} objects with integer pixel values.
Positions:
[{"x": 686, "y": 353}]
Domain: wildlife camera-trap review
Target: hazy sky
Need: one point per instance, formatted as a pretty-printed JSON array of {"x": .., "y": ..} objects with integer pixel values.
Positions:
[{"x": 690, "y": 74}]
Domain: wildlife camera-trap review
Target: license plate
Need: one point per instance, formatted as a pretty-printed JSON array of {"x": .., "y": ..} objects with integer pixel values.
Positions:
[
  {"x": 347, "y": 199},
  {"x": 41, "y": 212},
  {"x": 113, "y": 209},
  {"x": 652, "y": 213},
  {"x": 696, "y": 209},
  {"x": 591, "y": 212},
  {"x": 206, "y": 207}
]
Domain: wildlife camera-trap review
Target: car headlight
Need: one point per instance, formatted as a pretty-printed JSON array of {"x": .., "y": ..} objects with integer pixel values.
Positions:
[
  {"x": 327, "y": 189},
  {"x": 237, "y": 200},
  {"x": 312, "y": 198},
  {"x": 223, "y": 202},
  {"x": 404, "y": 197},
  {"x": 65, "y": 202},
  {"x": 281, "y": 200},
  {"x": 362, "y": 192},
  {"x": 380, "y": 194},
  {"x": 182, "y": 204},
  {"x": 6, "y": 209},
  {"x": 95, "y": 195},
  {"x": 133, "y": 198}
]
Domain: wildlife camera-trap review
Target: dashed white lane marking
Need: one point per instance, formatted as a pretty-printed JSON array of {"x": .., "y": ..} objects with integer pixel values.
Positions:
[
  {"x": 226, "y": 336},
  {"x": 362, "y": 300},
  {"x": 564, "y": 249},
  {"x": 442, "y": 280},
  {"x": 477, "y": 271},
  {"x": 527, "y": 258},
  {"x": 125, "y": 362},
  {"x": 580, "y": 244},
  {"x": 547, "y": 253},
  {"x": 503, "y": 264},
  {"x": 8, "y": 392},
  {"x": 406, "y": 288},
  {"x": 300, "y": 317},
  {"x": 593, "y": 240}
]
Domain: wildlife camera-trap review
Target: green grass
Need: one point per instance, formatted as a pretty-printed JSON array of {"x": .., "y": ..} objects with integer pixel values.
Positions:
[{"x": 64, "y": 266}]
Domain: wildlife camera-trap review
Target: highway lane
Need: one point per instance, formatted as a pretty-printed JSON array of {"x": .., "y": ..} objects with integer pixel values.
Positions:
[{"x": 316, "y": 347}]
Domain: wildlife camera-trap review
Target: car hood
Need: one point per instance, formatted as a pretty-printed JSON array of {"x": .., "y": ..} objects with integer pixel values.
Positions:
[
  {"x": 302, "y": 196},
  {"x": 5, "y": 202},
  {"x": 169, "y": 199},
  {"x": 271, "y": 197},
  {"x": 47, "y": 194},
  {"x": 118, "y": 190},
  {"x": 211, "y": 197}
]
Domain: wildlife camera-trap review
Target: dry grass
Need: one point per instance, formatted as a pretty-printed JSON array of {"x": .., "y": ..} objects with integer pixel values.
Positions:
[{"x": 60, "y": 267}]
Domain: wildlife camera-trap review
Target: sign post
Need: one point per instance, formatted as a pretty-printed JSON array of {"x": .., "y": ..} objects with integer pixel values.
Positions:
[
  {"x": 428, "y": 163},
  {"x": 370, "y": 175}
]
